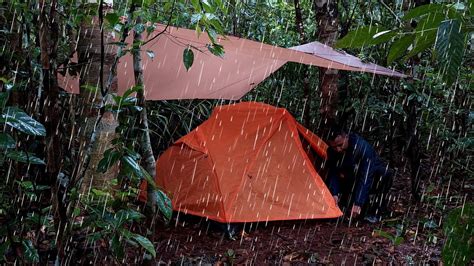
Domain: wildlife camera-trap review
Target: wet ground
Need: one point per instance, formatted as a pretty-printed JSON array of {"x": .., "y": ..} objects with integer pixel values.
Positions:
[{"x": 412, "y": 235}]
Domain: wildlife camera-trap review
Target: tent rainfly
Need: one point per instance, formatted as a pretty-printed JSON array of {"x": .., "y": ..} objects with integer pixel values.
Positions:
[
  {"x": 245, "y": 64},
  {"x": 246, "y": 163}
]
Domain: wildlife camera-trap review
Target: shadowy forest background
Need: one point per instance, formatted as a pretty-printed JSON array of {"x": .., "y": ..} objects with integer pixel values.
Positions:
[{"x": 70, "y": 165}]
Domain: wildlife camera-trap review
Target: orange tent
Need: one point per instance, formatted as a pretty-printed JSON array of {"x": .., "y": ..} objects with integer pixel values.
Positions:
[{"x": 246, "y": 163}]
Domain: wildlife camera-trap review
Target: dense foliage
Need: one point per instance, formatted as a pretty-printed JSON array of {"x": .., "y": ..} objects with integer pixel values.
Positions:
[{"x": 426, "y": 120}]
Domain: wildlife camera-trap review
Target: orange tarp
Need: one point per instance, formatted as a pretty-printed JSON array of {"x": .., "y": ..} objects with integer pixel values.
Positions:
[
  {"x": 244, "y": 65},
  {"x": 246, "y": 163}
]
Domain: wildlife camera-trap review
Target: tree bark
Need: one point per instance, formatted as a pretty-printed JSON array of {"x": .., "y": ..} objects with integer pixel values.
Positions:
[
  {"x": 327, "y": 20},
  {"x": 411, "y": 133},
  {"x": 48, "y": 40},
  {"x": 91, "y": 53},
  {"x": 148, "y": 159},
  {"x": 306, "y": 88}
]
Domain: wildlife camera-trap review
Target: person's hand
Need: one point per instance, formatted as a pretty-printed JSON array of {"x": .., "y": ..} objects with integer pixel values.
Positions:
[
  {"x": 355, "y": 211},
  {"x": 336, "y": 199}
]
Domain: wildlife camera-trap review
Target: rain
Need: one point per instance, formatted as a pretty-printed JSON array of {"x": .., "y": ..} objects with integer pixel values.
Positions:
[{"x": 236, "y": 132}]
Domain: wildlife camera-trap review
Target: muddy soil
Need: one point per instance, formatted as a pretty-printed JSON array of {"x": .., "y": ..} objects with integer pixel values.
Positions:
[{"x": 412, "y": 235}]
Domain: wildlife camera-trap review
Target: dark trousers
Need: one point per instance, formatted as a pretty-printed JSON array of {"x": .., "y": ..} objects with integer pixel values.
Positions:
[{"x": 379, "y": 196}]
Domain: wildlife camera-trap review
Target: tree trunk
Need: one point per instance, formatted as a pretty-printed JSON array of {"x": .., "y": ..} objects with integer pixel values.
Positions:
[
  {"x": 327, "y": 22},
  {"x": 306, "y": 90},
  {"x": 48, "y": 40},
  {"x": 91, "y": 55},
  {"x": 235, "y": 23},
  {"x": 412, "y": 146},
  {"x": 148, "y": 159}
]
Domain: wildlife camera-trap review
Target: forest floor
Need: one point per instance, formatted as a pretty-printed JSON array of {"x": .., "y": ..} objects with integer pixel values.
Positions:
[{"x": 412, "y": 235}]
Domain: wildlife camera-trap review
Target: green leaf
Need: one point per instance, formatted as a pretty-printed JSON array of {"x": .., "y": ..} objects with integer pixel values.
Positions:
[
  {"x": 188, "y": 58},
  {"x": 111, "y": 156},
  {"x": 398, "y": 240},
  {"x": 195, "y": 18},
  {"x": 100, "y": 193},
  {"x": 459, "y": 230},
  {"x": 209, "y": 6},
  {"x": 94, "y": 237},
  {"x": 365, "y": 36},
  {"x": 112, "y": 18},
  {"x": 16, "y": 118},
  {"x": 30, "y": 252},
  {"x": 3, "y": 100},
  {"x": 6, "y": 141},
  {"x": 145, "y": 243},
  {"x": 216, "y": 49},
  {"x": 399, "y": 47},
  {"x": 132, "y": 90},
  {"x": 430, "y": 22},
  {"x": 117, "y": 246},
  {"x": 29, "y": 186},
  {"x": 423, "y": 41},
  {"x": 132, "y": 165},
  {"x": 196, "y": 5},
  {"x": 149, "y": 179},
  {"x": 450, "y": 42},
  {"x": 423, "y": 10},
  {"x": 385, "y": 234},
  {"x": 126, "y": 215},
  {"x": 212, "y": 34},
  {"x": 21, "y": 156},
  {"x": 164, "y": 204},
  {"x": 139, "y": 28}
]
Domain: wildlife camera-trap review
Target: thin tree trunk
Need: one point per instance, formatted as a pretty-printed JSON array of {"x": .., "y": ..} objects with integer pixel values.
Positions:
[
  {"x": 306, "y": 89},
  {"x": 99, "y": 61},
  {"x": 233, "y": 13},
  {"x": 327, "y": 23},
  {"x": 412, "y": 146},
  {"x": 148, "y": 161},
  {"x": 48, "y": 39}
]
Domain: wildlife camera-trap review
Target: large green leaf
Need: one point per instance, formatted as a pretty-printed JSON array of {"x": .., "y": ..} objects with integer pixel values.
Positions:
[
  {"x": 450, "y": 42},
  {"x": 423, "y": 10},
  {"x": 145, "y": 243},
  {"x": 111, "y": 156},
  {"x": 16, "y": 118},
  {"x": 132, "y": 165},
  {"x": 30, "y": 252},
  {"x": 188, "y": 58},
  {"x": 117, "y": 246},
  {"x": 423, "y": 41},
  {"x": 24, "y": 157},
  {"x": 459, "y": 230},
  {"x": 365, "y": 36},
  {"x": 112, "y": 18},
  {"x": 126, "y": 215},
  {"x": 216, "y": 49},
  {"x": 6, "y": 141},
  {"x": 149, "y": 179},
  {"x": 430, "y": 22},
  {"x": 164, "y": 204},
  {"x": 399, "y": 47}
]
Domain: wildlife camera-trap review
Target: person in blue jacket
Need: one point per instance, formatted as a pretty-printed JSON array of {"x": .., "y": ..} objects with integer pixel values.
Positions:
[{"x": 355, "y": 172}]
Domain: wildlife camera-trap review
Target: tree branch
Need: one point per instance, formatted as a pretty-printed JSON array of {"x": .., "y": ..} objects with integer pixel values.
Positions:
[{"x": 400, "y": 23}]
